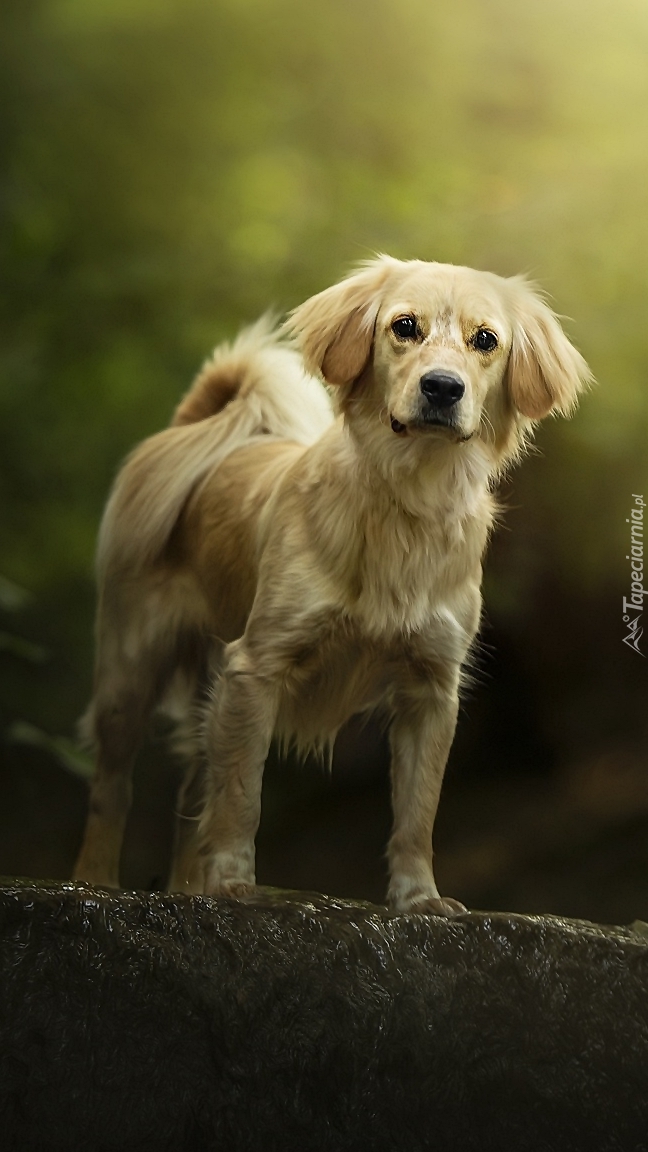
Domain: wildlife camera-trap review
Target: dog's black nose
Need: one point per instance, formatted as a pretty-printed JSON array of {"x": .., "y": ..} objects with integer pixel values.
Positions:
[{"x": 442, "y": 389}]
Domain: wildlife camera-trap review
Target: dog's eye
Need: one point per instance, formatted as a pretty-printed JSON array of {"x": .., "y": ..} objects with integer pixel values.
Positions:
[
  {"x": 405, "y": 327},
  {"x": 484, "y": 340}
]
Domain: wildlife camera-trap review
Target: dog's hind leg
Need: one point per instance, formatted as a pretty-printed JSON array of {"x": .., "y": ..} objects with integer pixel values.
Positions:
[
  {"x": 187, "y": 866},
  {"x": 186, "y": 704},
  {"x": 136, "y": 646}
]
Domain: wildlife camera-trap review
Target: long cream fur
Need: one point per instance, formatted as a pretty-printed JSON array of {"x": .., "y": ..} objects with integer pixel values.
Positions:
[{"x": 284, "y": 556}]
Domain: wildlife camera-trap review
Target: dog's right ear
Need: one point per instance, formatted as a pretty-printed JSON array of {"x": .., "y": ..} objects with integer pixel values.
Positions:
[{"x": 335, "y": 328}]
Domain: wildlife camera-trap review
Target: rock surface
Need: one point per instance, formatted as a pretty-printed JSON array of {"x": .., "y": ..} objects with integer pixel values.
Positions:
[{"x": 132, "y": 1021}]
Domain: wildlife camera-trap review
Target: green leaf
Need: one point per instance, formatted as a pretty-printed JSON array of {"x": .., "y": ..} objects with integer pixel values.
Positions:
[
  {"x": 12, "y": 596},
  {"x": 24, "y": 649},
  {"x": 65, "y": 751}
]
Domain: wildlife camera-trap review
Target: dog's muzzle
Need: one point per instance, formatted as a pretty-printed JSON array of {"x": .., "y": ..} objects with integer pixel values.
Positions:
[
  {"x": 441, "y": 389},
  {"x": 441, "y": 392}
]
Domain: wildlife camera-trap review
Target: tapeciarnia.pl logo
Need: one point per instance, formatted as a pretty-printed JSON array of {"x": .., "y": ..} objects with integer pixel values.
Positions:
[{"x": 633, "y": 605}]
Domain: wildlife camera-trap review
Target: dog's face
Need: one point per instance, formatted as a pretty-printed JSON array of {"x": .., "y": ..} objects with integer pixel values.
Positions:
[
  {"x": 440, "y": 352},
  {"x": 441, "y": 345}
]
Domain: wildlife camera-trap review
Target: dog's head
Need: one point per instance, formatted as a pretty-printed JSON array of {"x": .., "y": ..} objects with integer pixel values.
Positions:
[{"x": 440, "y": 352}]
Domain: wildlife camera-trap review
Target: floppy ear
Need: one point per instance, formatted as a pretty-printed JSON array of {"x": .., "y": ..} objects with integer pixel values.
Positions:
[
  {"x": 335, "y": 328},
  {"x": 545, "y": 372}
]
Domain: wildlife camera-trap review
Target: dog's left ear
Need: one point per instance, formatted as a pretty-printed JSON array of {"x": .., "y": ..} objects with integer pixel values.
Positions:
[
  {"x": 545, "y": 372},
  {"x": 335, "y": 328}
]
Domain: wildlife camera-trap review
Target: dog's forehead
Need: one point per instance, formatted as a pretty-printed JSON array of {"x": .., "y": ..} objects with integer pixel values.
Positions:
[{"x": 447, "y": 291}]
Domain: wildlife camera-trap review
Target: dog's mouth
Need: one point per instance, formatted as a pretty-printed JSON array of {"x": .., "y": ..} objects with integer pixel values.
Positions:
[{"x": 428, "y": 424}]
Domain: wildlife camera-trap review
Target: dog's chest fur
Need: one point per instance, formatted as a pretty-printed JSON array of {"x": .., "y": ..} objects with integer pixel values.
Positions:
[
  {"x": 395, "y": 556},
  {"x": 407, "y": 568},
  {"x": 406, "y": 603},
  {"x": 337, "y": 669}
]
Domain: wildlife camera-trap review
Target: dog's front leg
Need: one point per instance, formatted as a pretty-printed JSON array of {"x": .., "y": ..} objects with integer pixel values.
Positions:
[
  {"x": 420, "y": 736},
  {"x": 239, "y": 731}
]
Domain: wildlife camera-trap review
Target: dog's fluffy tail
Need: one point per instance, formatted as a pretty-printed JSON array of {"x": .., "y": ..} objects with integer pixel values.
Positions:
[
  {"x": 255, "y": 386},
  {"x": 266, "y": 372}
]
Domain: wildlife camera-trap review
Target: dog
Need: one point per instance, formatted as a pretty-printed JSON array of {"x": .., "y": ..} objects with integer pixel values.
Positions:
[{"x": 305, "y": 543}]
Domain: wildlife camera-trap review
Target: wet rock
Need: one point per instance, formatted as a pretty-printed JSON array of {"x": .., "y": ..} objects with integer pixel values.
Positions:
[{"x": 132, "y": 1021}]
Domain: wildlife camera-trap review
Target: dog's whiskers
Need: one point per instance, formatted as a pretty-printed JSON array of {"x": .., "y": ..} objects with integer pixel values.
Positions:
[{"x": 487, "y": 423}]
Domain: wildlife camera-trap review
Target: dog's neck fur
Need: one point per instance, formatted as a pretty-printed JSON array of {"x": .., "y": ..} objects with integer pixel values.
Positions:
[{"x": 406, "y": 512}]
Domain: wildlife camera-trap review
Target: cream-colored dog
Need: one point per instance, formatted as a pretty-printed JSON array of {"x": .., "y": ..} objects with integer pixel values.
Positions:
[{"x": 285, "y": 556}]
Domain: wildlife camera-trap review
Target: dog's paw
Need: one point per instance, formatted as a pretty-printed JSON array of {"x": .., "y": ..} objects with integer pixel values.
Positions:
[
  {"x": 425, "y": 903},
  {"x": 232, "y": 889},
  {"x": 229, "y": 874},
  {"x": 438, "y": 906}
]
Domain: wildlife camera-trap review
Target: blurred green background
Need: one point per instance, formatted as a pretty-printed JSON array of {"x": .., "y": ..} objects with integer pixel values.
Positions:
[{"x": 169, "y": 169}]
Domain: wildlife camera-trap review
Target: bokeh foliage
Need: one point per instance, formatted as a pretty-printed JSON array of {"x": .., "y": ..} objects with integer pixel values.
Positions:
[{"x": 171, "y": 168}]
